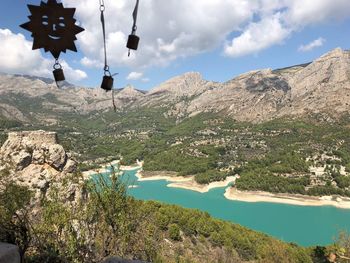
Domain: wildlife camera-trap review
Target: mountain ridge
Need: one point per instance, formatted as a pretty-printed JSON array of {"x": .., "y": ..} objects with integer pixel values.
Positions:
[{"x": 256, "y": 96}]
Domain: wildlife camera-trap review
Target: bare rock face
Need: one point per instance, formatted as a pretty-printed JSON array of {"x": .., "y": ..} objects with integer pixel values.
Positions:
[
  {"x": 253, "y": 96},
  {"x": 9, "y": 253},
  {"x": 177, "y": 89},
  {"x": 56, "y": 156},
  {"x": 70, "y": 167},
  {"x": 129, "y": 93},
  {"x": 35, "y": 159},
  {"x": 38, "y": 156},
  {"x": 320, "y": 87},
  {"x": 38, "y": 147},
  {"x": 21, "y": 159}
]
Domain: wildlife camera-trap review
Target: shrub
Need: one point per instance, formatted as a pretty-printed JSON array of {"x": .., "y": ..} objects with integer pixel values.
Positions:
[{"x": 174, "y": 232}]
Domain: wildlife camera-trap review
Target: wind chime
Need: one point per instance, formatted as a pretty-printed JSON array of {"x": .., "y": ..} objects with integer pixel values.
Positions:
[
  {"x": 107, "y": 80},
  {"x": 53, "y": 28},
  {"x": 133, "y": 41}
]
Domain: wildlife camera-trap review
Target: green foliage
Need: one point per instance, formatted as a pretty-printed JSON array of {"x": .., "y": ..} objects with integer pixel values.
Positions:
[
  {"x": 8, "y": 124},
  {"x": 327, "y": 190},
  {"x": 343, "y": 246},
  {"x": 249, "y": 245},
  {"x": 174, "y": 232},
  {"x": 107, "y": 223},
  {"x": 3, "y": 138},
  {"x": 205, "y": 144},
  {"x": 173, "y": 160},
  {"x": 14, "y": 213},
  {"x": 343, "y": 181},
  {"x": 262, "y": 179},
  {"x": 210, "y": 176}
]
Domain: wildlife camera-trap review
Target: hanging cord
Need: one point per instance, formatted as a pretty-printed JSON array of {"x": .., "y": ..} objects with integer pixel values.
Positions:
[
  {"x": 134, "y": 15},
  {"x": 102, "y": 9},
  {"x": 134, "y": 26},
  {"x": 114, "y": 106},
  {"x": 106, "y": 67}
]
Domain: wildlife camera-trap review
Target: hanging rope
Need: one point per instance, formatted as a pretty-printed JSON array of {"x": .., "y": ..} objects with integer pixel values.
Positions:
[
  {"x": 134, "y": 15},
  {"x": 114, "y": 106},
  {"x": 107, "y": 82},
  {"x": 102, "y": 18}
]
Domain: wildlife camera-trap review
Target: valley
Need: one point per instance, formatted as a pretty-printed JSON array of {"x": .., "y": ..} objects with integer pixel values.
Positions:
[{"x": 263, "y": 137}]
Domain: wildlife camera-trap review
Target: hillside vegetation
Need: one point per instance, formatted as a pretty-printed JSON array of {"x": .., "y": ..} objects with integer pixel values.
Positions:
[
  {"x": 109, "y": 223},
  {"x": 304, "y": 156}
]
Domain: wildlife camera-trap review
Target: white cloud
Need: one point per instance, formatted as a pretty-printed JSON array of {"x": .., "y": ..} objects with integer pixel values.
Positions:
[
  {"x": 17, "y": 57},
  {"x": 258, "y": 36},
  {"x": 312, "y": 45},
  {"x": 280, "y": 18},
  {"x": 91, "y": 63},
  {"x": 175, "y": 29},
  {"x": 72, "y": 74},
  {"x": 309, "y": 12},
  {"x": 134, "y": 76},
  {"x": 168, "y": 29}
]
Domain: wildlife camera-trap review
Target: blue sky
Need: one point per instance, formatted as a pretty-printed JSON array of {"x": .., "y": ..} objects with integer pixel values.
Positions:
[{"x": 218, "y": 38}]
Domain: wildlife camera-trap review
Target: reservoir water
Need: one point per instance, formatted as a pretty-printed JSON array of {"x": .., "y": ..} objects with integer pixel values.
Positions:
[{"x": 303, "y": 225}]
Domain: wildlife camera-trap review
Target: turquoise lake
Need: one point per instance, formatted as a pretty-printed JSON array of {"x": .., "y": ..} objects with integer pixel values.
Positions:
[{"x": 303, "y": 225}]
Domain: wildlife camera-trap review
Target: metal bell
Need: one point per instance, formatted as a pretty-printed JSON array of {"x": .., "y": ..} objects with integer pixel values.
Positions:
[
  {"x": 133, "y": 42},
  {"x": 58, "y": 75},
  {"x": 107, "y": 83}
]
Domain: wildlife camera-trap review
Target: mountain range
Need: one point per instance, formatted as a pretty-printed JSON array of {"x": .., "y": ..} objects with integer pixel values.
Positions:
[{"x": 321, "y": 87}]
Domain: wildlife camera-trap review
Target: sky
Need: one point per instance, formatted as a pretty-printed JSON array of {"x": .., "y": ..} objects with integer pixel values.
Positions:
[{"x": 218, "y": 38}]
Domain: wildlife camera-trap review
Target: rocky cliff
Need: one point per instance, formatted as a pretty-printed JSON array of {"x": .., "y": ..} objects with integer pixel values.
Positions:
[
  {"x": 320, "y": 87},
  {"x": 35, "y": 159}
]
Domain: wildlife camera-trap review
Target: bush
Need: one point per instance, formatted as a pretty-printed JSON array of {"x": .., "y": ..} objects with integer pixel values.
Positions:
[
  {"x": 174, "y": 232},
  {"x": 14, "y": 214}
]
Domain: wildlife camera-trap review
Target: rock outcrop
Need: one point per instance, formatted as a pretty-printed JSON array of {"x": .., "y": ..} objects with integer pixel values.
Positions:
[
  {"x": 9, "y": 253},
  {"x": 35, "y": 159},
  {"x": 38, "y": 147}
]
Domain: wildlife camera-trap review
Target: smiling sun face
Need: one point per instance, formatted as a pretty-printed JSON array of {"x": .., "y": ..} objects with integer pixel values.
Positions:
[{"x": 53, "y": 27}]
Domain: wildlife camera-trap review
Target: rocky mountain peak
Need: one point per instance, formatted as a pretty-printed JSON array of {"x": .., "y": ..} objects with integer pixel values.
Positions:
[
  {"x": 129, "y": 92},
  {"x": 186, "y": 85},
  {"x": 330, "y": 72},
  {"x": 189, "y": 76},
  {"x": 334, "y": 54}
]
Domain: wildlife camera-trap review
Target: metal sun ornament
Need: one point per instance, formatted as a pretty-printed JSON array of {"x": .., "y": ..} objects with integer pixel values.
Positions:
[{"x": 53, "y": 29}]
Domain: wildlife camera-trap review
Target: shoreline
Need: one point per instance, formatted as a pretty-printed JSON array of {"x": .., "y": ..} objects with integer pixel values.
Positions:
[
  {"x": 104, "y": 168},
  {"x": 300, "y": 200},
  {"x": 194, "y": 186},
  {"x": 187, "y": 183}
]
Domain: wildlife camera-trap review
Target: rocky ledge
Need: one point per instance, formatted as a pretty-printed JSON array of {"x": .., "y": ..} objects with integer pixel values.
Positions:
[{"x": 36, "y": 160}]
